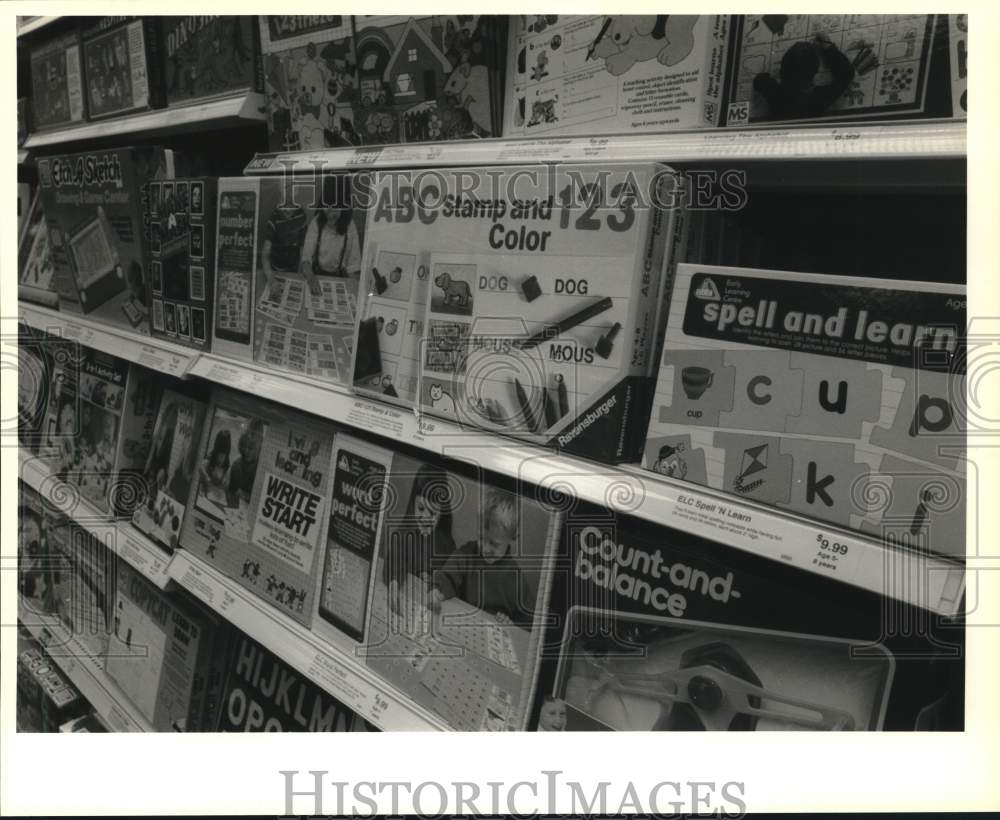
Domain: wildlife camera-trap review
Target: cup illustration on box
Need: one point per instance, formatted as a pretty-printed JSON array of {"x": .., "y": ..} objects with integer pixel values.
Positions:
[{"x": 695, "y": 381}]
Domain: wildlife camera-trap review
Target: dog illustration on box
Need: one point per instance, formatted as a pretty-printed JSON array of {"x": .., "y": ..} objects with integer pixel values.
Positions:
[
  {"x": 457, "y": 292},
  {"x": 627, "y": 39}
]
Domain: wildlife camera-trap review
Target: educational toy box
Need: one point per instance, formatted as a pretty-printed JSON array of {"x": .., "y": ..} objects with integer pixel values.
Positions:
[
  {"x": 816, "y": 67},
  {"x": 251, "y": 702},
  {"x": 99, "y": 427},
  {"x": 666, "y": 631},
  {"x": 439, "y": 578},
  {"x": 310, "y": 79},
  {"x": 160, "y": 653},
  {"x": 837, "y": 397},
  {"x": 288, "y": 262},
  {"x": 958, "y": 59},
  {"x": 94, "y": 204},
  {"x": 259, "y": 505},
  {"x": 544, "y": 302},
  {"x": 618, "y": 74},
  {"x": 34, "y": 259},
  {"x": 182, "y": 260},
  {"x": 208, "y": 56},
  {"x": 429, "y": 77},
  {"x": 39, "y": 525},
  {"x": 172, "y": 463},
  {"x": 57, "y": 97},
  {"x": 86, "y": 587},
  {"x": 45, "y": 693},
  {"x": 122, "y": 62}
]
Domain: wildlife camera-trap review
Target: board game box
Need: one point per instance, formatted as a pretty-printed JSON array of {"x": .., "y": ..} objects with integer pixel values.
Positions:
[
  {"x": 288, "y": 264},
  {"x": 439, "y": 579},
  {"x": 209, "y": 56},
  {"x": 182, "y": 228},
  {"x": 86, "y": 586},
  {"x": 571, "y": 74},
  {"x": 258, "y": 509},
  {"x": 815, "y": 67},
  {"x": 544, "y": 302},
  {"x": 837, "y": 397},
  {"x": 171, "y": 465},
  {"x": 122, "y": 58},
  {"x": 34, "y": 259},
  {"x": 57, "y": 97},
  {"x": 38, "y": 571},
  {"x": 44, "y": 692},
  {"x": 94, "y": 204},
  {"x": 160, "y": 653},
  {"x": 958, "y": 58},
  {"x": 310, "y": 79},
  {"x": 429, "y": 77},
  {"x": 99, "y": 426},
  {"x": 264, "y": 694},
  {"x": 665, "y": 631}
]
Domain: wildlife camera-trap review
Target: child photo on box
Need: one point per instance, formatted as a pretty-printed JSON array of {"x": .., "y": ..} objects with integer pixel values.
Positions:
[
  {"x": 424, "y": 533},
  {"x": 484, "y": 572}
]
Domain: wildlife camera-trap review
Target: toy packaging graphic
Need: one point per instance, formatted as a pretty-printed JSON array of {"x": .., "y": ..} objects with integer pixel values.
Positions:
[
  {"x": 258, "y": 510},
  {"x": 440, "y": 581},
  {"x": 182, "y": 260},
  {"x": 99, "y": 428},
  {"x": 122, "y": 65},
  {"x": 288, "y": 263},
  {"x": 617, "y": 74},
  {"x": 814, "y": 67},
  {"x": 94, "y": 205},
  {"x": 958, "y": 56},
  {"x": 171, "y": 466},
  {"x": 208, "y": 56},
  {"x": 159, "y": 653},
  {"x": 544, "y": 304},
  {"x": 39, "y": 527},
  {"x": 310, "y": 79},
  {"x": 264, "y": 694},
  {"x": 87, "y": 588},
  {"x": 831, "y": 396},
  {"x": 34, "y": 259},
  {"x": 429, "y": 77},
  {"x": 57, "y": 98},
  {"x": 45, "y": 697},
  {"x": 666, "y": 631}
]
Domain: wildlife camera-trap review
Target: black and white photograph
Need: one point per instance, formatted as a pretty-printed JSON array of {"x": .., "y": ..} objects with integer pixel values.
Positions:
[{"x": 416, "y": 371}]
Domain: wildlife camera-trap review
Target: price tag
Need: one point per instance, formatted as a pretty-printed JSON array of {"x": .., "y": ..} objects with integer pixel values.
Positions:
[
  {"x": 377, "y": 708},
  {"x": 71, "y": 330},
  {"x": 834, "y": 556},
  {"x": 228, "y": 599},
  {"x": 117, "y": 720},
  {"x": 364, "y": 156}
]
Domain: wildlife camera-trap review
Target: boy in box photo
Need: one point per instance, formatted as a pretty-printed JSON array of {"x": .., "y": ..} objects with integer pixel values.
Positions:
[{"x": 484, "y": 573}]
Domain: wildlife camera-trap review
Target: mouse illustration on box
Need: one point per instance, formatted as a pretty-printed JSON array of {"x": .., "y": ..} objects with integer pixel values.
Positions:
[{"x": 627, "y": 39}]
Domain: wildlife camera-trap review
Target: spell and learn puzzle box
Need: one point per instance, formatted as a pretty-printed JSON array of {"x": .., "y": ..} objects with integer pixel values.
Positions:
[
  {"x": 543, "y": 300},
  {"x": 837, "y": 397}
]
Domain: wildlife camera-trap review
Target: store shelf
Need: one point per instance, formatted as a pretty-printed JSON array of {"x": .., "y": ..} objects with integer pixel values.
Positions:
[
  {"x": 35, "y": 24},
  {"x": 329, "y": 667},
  {"x": 901, "y": 140},
  {"x": 227, "y": 111},
  {"x": 119, "y": 536},
  {"x": 929, "y": 582},
  {"x": 157, "y": 354},
  {"x": 85, "y": 672},
  {"x": 22, "y": 156},
  {"x": 924, "y": 581}
]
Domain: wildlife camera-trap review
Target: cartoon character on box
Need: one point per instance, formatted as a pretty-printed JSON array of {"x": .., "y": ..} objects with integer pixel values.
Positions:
[
  {"x": 321, "y": 90},
  {"x": 627, "y": 39},
  {"x": 794, "y": 93}
]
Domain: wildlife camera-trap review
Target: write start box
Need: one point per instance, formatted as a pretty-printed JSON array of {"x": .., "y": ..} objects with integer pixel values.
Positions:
[
  {"x": 836, "y": 397},
  {"x": 521, "y": 299}
]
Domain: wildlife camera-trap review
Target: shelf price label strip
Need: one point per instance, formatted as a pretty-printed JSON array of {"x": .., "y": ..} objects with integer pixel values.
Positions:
[
  {"x": 327, "y": 666},
  {"x": 932, "y": 138},
  {"x": 84, "y": 671},
  {"x": 933, "y": 583}
]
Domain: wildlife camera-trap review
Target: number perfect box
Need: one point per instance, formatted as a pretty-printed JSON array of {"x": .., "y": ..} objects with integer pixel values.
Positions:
[
  {"x": 527, "y": 299},
  {"x": 836, "y": 397},
  {"x": 271, "y": 233},
  {"x": 619, "y": 74}
]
